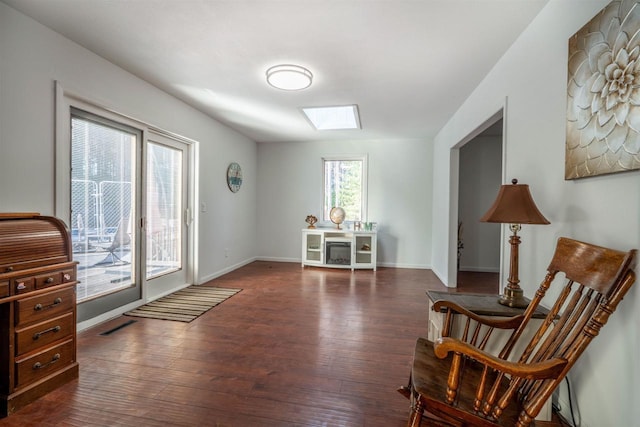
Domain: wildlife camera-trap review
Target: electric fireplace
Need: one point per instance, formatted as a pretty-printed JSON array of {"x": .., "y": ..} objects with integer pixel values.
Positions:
[{"x": 337, "y": 252}]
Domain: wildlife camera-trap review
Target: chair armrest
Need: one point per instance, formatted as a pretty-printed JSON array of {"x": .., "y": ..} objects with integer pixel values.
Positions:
[
  {"x": 548, "y": 369},
  {"x": 494, "y": 322}
]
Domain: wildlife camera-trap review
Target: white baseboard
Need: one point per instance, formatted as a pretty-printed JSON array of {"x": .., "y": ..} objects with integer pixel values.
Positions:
[
  {"x": 380, "y": 264},
  {"x": 89, "y": 323},
  {"x": 441, "y": 278},
  {"x": 107, "y": 316},
  {"x": 476, "y": 269},
  {"x": 401, "y": 265},
  {"x": 224, "y": 271},
  {"x": 276, "y": 259}
]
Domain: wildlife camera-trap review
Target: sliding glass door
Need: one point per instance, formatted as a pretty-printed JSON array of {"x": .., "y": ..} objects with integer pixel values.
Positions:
[
  {"x": 105, "y": 195},
  {"x": 167, "y": 216},
  {"x": 129, "y": 213}
]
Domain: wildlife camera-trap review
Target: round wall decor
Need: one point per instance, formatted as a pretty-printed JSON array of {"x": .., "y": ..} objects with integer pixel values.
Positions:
[{"x": 234, "y": 177}]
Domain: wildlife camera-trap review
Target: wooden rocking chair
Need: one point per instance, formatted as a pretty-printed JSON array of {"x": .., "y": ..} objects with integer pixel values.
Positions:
[{"x": 460, "y": 384}]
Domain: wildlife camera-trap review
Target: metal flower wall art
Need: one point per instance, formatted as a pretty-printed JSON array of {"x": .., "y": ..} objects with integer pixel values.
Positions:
[{"x": 603, "y": 93}]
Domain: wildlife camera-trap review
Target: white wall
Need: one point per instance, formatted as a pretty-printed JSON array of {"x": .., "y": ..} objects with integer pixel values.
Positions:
[
  {"x": 290, "y": 188},
  {"x": 33, "y": 57},
  {"x": 604, "y": 210},
  {"x": 480, "y": 179},
  {"x": 285, "y": 179}
]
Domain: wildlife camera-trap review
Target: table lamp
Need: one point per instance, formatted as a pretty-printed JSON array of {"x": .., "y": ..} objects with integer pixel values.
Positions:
[{"x": 514, "y": 206}]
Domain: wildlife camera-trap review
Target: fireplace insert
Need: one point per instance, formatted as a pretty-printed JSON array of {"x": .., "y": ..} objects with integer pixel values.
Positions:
[{"x": 338, "y": 252}]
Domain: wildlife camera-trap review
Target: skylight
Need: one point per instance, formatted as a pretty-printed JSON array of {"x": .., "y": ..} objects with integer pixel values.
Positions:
[{"x": 333, "y": 118}]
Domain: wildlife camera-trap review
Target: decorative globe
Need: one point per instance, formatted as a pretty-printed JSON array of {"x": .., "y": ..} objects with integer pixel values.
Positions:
[{"x": 337, "y": 216}]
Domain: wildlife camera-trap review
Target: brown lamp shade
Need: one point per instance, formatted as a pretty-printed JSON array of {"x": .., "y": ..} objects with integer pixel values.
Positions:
[{"x": 514, "y": 205}]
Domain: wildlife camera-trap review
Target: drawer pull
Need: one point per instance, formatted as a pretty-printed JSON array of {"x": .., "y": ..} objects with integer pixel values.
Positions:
[
  {"x": 9, "y": 269},
  {"x": 49, "y": 280},
  {"x": 21, "y": 286},
  {"x": 38, "y": 334},
  {"x": 39, "y": 365},
  {"x": 39, "y": 307},
  {"x": 67, "y": 276}
]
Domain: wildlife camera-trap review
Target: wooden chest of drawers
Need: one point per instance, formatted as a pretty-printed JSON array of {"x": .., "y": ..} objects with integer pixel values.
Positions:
[{"x": 37, "y": 309}]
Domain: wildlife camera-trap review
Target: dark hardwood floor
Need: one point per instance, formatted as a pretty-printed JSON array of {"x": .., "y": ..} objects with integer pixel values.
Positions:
[{"x": 297, "y": 347}]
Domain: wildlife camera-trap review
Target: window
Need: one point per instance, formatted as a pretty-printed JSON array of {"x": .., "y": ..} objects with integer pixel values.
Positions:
[{"x": 345, "y": 185}]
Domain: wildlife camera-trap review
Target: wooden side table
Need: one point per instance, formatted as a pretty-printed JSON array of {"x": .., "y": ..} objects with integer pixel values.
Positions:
[{"x": 482, "y": 304}]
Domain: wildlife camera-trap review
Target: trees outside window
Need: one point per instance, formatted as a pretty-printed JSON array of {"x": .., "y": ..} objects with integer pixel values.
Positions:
[{"x": 345, "y": 186}]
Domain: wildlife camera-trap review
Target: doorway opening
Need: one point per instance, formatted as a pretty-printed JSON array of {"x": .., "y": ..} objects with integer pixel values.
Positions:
[{"x": 479, "y": 178}]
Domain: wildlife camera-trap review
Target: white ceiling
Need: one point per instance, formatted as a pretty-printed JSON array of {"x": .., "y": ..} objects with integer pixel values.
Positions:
[{"x": 407, "y": 64}]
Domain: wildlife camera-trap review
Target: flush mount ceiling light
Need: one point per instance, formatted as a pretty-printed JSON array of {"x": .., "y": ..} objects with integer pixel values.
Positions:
[
  {"x": 333, "y": 118},
  {"x": 289, "y": 77}
]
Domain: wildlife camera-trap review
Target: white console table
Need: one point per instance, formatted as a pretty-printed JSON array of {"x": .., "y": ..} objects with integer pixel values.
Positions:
[{"x": 334, "y": 248}]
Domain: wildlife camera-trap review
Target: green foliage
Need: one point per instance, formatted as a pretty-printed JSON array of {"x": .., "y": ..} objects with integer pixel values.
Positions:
[{"x": 343, "y": 187}]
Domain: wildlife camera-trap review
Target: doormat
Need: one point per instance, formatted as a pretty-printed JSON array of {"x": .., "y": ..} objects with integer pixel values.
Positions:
[{"x": 184, "y": 305}]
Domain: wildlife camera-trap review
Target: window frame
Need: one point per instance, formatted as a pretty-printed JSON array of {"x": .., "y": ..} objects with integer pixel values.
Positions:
[{"x": 363, "y": 185}]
